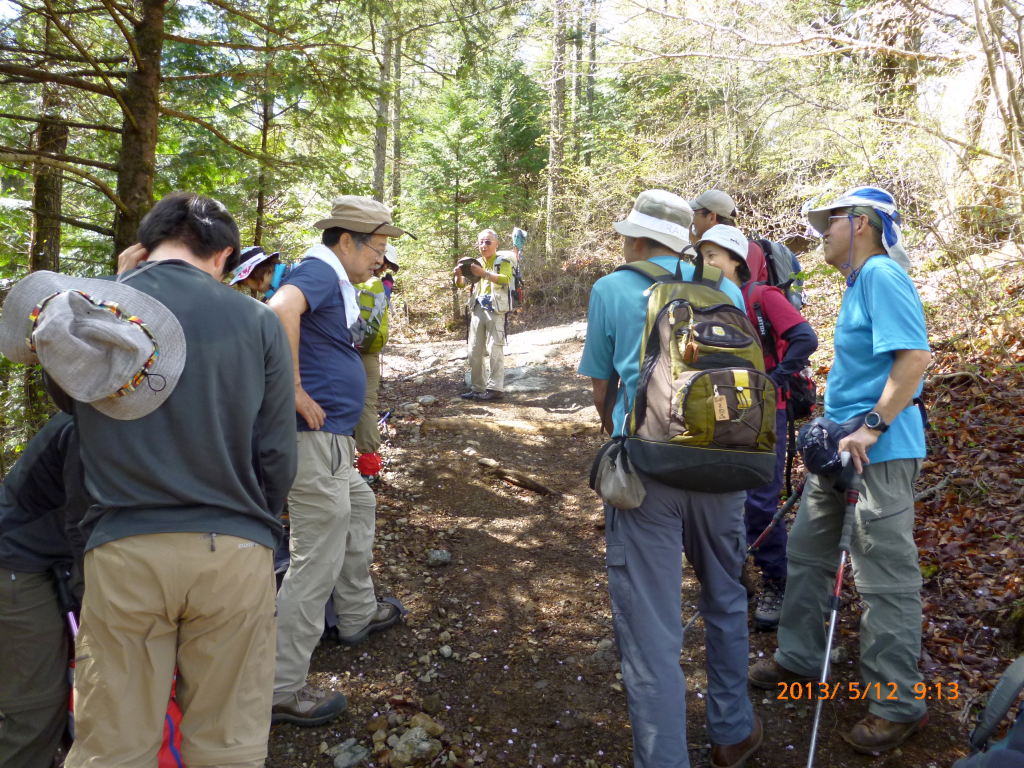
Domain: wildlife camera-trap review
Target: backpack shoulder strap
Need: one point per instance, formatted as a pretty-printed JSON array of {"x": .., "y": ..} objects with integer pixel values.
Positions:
[
  {"x": 654, "y": 272},
  {"x": 705, "y": 274},
  {"x": 755, "y": 299}
]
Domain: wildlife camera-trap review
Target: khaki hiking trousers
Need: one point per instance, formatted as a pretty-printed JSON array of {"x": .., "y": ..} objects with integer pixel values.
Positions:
[{"x": 204, "y": 604}]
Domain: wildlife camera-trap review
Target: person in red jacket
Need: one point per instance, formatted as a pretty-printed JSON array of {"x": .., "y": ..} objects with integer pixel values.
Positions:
[{"x": 790, "y": 342}]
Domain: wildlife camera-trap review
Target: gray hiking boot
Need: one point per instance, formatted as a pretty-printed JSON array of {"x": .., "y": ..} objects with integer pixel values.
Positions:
[
  {"x": 309, "y": 707},
  {"x": 769, "y": 604},
  {"x": 387, "y": 614}
]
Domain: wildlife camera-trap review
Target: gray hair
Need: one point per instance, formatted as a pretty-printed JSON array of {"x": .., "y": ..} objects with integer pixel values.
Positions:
[{"x": 492, "y": 233}]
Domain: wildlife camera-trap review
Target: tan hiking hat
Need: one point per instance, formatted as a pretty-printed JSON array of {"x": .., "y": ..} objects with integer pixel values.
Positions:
[
  {"x": 361, "y": 214},
  {"x": 717, "y": 201},
  {"x": 104, "y": 343},
  {"x": 728, "y": 237},
  {"x": 660, "y": 216}
]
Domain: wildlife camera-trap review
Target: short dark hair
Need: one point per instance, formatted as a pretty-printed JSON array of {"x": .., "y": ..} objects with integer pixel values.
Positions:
[
  {"x": 742, "y": 270},
  {"x": 201, "y": 224},
  {"x": 332, "y": 235},
  {"x": 260, "y": 270}
]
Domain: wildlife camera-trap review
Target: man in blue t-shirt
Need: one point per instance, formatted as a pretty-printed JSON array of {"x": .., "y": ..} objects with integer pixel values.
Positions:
[
  {"x": 331, "y": 510},
  {"x": 881, "y": 352},
  {"x": 645, "y": 545}
]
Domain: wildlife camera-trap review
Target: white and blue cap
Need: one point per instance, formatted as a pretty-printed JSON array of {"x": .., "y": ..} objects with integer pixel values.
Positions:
[
  {"x": 252, "y": 257},
  {"x": 880, "y": 208}
]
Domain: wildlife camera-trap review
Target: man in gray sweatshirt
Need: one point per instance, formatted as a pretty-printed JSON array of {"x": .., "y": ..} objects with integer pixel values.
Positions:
[{"x": 179, "y": 561}]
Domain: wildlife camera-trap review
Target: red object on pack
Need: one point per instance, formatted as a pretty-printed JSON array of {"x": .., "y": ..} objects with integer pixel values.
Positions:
[
  {"x": 169, "y": 755},
  {"x": 369, "y": 464}
]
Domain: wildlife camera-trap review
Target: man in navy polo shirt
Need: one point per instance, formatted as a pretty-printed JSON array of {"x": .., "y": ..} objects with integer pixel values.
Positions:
[{"x": 331, "y": 509}]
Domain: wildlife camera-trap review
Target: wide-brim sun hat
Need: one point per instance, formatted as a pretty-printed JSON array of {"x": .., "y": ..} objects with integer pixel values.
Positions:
[
  {"x": 465, "y": 263},
  {"x": 391, "y": 257},
  {"x": 661, "y": 216},
  {"x": 884, "y": 206},
  {"x": 104, "y": 343},
  {"x": 357, "y": 213},
  {"x": 252, "y": 257},
  {"x": 729, "y": 238}
]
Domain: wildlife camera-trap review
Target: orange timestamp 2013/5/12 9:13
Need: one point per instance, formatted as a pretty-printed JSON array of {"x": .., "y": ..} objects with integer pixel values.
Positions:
[{"x": 854, "y": 691}]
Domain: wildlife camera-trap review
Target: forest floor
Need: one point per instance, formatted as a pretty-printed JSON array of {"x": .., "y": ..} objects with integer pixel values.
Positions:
[{"x": 532, "y": 677}]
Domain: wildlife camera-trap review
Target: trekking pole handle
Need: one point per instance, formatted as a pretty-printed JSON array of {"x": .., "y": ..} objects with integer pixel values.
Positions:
[{"x": 852, "y": 497}]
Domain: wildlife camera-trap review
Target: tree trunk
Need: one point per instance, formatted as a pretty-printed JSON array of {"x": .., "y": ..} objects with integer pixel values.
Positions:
[
  {"x": 456, "y": 304},
  {"x": 396, "y": 130},
  {"x": 46, "y": 195},
  {"x": 556, "y": 140},
  {"x": 380, "y": 140},
  {"x": 577, "y": 84},
  {"x": 261, "y": 192},
  {"x": 137, "y": 164},
  {"x": 591, "y": 72}
]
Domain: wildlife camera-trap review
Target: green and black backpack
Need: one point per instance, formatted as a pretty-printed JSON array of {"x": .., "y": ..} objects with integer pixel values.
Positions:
[{"x": 703, "y": 418}]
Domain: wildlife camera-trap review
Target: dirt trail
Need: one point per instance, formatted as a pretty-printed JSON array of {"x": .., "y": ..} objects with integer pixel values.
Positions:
[{"x": 523, "y": 605}]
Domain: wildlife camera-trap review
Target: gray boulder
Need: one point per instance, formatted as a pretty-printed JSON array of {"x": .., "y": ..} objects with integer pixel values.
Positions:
[{"x": 414, "y": 748}]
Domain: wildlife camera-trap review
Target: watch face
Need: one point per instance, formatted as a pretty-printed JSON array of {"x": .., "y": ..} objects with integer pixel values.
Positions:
[{"x": 872, "y": 420}]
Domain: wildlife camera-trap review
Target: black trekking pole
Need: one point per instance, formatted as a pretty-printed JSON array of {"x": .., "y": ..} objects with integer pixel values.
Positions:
[
  {"x": 64, "y": 598},
  {"x": 790, "y": 502},
  {"x": 850, "y": 483}
]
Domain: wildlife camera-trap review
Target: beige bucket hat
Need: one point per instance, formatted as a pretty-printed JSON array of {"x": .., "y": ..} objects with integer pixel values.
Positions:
[
  {"x": 104, "y": 343},
  {"x": 362, "y": 214},
  {"x": 716, "y": 201},
  {"x": 660, "y": 216}
]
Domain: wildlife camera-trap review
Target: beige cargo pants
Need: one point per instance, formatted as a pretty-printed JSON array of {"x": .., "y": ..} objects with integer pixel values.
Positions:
[
  {"x": 162, "y": 600},
  {"x": 487, "y": 338},
  {"x": 331, "y": 516}
]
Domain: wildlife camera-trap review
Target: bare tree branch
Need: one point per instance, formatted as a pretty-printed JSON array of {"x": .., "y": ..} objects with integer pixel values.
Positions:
[
  {"x": 69, "y": 123},
  {"x": 62, "y": 56},
  {"x": 216, "y": 132},
  {"x": 41, "y": 76},
  {"x": 258, "y": 48},
  {"x": 102, "y": 186},
  {"x": 63, "y": 158},
  {"x": 77, "y": 223},
  {"x": 81, "y": 49},
  {"x": 128, "y": 37}
]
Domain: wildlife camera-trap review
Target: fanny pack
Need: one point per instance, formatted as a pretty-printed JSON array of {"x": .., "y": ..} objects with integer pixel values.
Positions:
[
  {"x": 818, "y": 444},
  {"x": 614, "y": 477}
]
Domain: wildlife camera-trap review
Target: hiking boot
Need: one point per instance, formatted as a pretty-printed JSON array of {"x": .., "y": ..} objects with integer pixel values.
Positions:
[
  {"x": 747, "y": 580},
  {"x": 309, "y": 707},
  {"x": 491, "y": 394},
  {"x": 736, "y": 755},
  {"x": 386, "y": 615},
  {"x": 471, "y": 395},
  {"x": 769, "y": 604},
  {"x": 768, "y": 673},
  {"x": 875, "y": 734}
]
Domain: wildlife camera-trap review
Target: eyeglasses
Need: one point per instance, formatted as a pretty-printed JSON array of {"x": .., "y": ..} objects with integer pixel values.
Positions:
[
  {"x": 484, "y": 242},
  {"x": 379, "y": 253}
]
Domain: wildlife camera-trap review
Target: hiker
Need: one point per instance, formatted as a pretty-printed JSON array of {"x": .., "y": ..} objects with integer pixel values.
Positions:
[
  {"x": 259, "y": 271},
  {"x": 387, "y": 271},
  {"x": 881, "y": 353},
  {"x": 183, "y": 409},
  {"x": 645, "y": 545},
  {"x": 330, "y": 509},
  {"x": 489, "y": 302},
  {"x": 716, "y": 207},
  {"x": 789, "y": 344},
  {"x": 42, "y": 500},
  {"x": 373, "y": 306}
]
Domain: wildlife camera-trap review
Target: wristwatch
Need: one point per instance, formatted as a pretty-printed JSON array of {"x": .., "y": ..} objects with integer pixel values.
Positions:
[{"x": 875, "y": 421}]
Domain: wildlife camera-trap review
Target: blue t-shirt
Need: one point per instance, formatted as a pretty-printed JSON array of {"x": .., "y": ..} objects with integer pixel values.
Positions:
[
  {"x": 331, "y": 368},
  {"x": 881, "y": 314},
  {"x": 615, "y": 327}
]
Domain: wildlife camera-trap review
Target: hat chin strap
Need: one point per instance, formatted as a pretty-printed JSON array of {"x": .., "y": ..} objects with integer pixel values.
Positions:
[{"x": 849, "y": 256}]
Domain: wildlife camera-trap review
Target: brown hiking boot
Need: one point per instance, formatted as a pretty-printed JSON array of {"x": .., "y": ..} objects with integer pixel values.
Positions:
[
  {"x": 387, "y": 613},
  {"x": 768, "y": 673},
  {"x": 875, "y": 734},
  {"x": 736, "y": 755},
  {"x": 308, "y": 707}
]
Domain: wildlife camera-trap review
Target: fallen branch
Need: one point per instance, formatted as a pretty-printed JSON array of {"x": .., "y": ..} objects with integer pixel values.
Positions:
[
  {"x": 547, "y": 428},
  {"x": 524, "y": 481},
  {"x": 927, "y": 493},
  {"x": 412, "y": 376},
  {"x": 955, "y": 378}
]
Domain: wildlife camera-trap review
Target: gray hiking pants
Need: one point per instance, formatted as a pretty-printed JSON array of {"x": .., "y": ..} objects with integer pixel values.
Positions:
[
  {"x": 645, "y": 572},
  {"x": 888, "y": 577}
]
